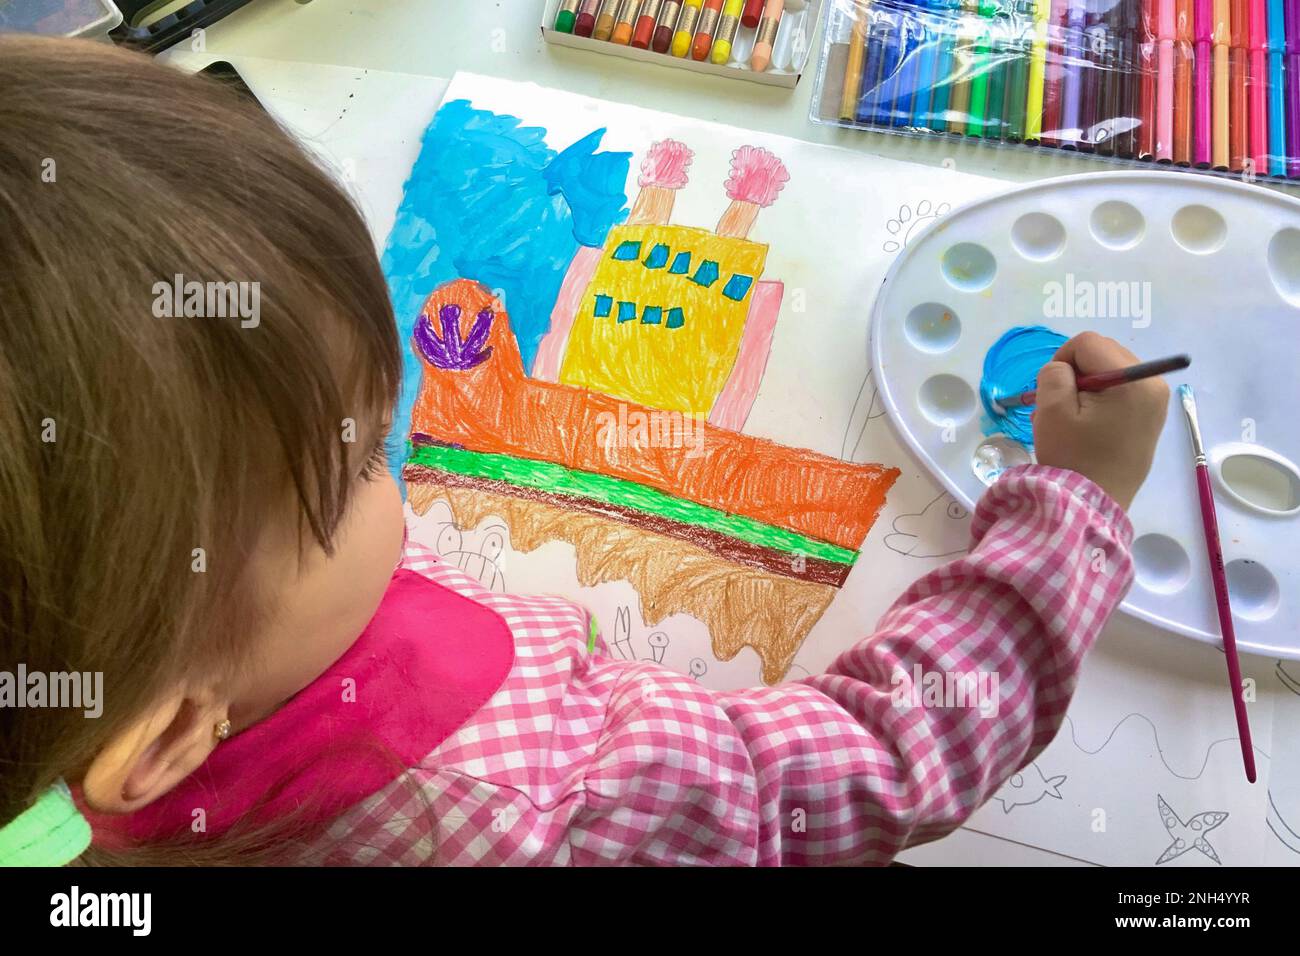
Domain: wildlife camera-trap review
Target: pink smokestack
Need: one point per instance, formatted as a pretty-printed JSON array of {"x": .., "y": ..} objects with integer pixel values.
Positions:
[
  {"x": 663, "y": 172},
  {"x": 757, "y": 178}
]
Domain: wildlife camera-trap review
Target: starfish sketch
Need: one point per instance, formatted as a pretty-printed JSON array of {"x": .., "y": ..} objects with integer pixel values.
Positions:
[{"x": 1189, "y": 834}]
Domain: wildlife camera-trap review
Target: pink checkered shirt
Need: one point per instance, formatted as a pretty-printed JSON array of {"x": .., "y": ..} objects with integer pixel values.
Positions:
[{"x": 580, "y": 758}]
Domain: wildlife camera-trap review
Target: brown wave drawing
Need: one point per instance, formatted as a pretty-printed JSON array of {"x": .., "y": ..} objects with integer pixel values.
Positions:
[{"x": 741, "y": 606}]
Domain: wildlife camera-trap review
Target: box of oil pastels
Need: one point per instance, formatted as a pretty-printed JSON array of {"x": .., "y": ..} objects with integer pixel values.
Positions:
[
  {"x": 1200, "y": 85},
  {"x": 763, "y": 41}
]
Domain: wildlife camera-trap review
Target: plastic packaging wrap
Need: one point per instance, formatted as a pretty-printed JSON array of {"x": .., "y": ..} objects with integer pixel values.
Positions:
[{"x": 1209, "y": 85}]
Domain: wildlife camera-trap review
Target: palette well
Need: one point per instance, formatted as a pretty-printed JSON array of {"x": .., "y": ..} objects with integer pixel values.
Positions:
[{"x": 1164, "y": 265}]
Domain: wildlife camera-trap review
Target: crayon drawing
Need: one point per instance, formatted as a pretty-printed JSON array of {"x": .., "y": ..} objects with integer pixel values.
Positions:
[{"x": 584, "y": 372}]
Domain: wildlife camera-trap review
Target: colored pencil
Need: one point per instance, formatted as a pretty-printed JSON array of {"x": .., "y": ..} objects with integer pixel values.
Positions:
[
  {"x": 768, "y": 24},
  {"x": 1130, "y": 58},
  {"x": 1218, "y": 573},
  {"x": 1037, "y": 77},
  {"x": 1090, "y": 78},
  {"x": 1106, "y": 43},
  {"x": 977, "y": 111},
  {"x": 1257, "y": 85},
  {"x": 1183, "y": 33},
  {"x": 1054, "y": 72},
  {"x": 1238, "y": 97},
  {"x": 1276, "y": 89},
  {"x": 1072, "y": 85},
  {"x": 684, "y": 37},
  {"x": 1146, "y": 133},
  {"x": 567, "y": 16},
  {"x": 1020, "y": 46},
  {"x": 853, "y": 65},
  {"x": 891, "y": 57},
  {"x": 604, "y": 28},
  {"x": 964, "y": 58},
  {"x": 725, "y": 35},
  {"x": 669, "y": 14},
  {"x": 1165, "y": 19},
  {"x": 710, "y": 14},
  {"x": 909, "y": 40},
  {"x": 1293, "y": 89},
  {"x": 1220, "y": 107},
  {"x": 927, "y": 71},
  {"x": 1101, "y": 381},
  {"x": 944, "y": 67},
  {"x": 1203, "y": 83}
]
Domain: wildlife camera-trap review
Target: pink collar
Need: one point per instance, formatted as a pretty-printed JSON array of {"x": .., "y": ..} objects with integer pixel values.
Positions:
[{"x": 428, "y": 661}]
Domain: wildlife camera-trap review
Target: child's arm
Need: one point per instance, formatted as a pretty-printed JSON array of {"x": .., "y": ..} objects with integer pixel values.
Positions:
[{"x": 831, "y": 770}]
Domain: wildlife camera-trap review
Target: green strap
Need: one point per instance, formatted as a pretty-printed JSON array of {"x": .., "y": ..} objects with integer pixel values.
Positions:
[{"x": 51, "y": 832}]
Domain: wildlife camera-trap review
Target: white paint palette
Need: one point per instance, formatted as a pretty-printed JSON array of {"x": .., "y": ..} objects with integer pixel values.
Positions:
[{"x": 1164, "y": 264}]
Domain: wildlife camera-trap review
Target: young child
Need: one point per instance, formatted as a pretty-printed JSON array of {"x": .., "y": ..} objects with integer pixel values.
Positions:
[{"x": 198, "y": 507}]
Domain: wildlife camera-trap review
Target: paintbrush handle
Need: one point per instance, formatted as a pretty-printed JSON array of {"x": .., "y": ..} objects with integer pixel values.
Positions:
[
  {"x": 1210, "y": 522},
  {"x": 1104, "y": 380}
]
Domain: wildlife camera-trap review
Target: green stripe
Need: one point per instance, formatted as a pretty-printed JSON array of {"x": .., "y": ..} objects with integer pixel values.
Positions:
[{"x": 550, "y": 477}]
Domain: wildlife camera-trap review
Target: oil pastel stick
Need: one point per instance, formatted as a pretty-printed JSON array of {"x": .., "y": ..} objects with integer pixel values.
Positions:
[
  {"x": 1090, "y": 78},
  {"x": 684, "y": 38},
  {"x": 1072, "y": 83},
  {"x": 567, "y": 16},
  {"x": 665, "y": 26},
  {"x": 995, "y": 118},
  {"x": 1276, "y": 89},
  {"x": 725, "y": 37},
  {"x": 705, "y": 30},
  {"x": 761, "y": 57},
  {"x": 753, "y": 12},
  {"x": 1183, "y": 113},
  {"x": 1037, "y": 75},
  {"x": 643, "y": 31},
  {"x": 585, "y": 22},
  {"x": 604, "y": 26},
  {"x": 873, "y": 75},
  {"x": 1102, "y": 44},
  {"x": 625, "y": 22}
]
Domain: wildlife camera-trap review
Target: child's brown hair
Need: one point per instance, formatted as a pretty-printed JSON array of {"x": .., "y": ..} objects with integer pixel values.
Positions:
[{"x": 129, "y": 441}]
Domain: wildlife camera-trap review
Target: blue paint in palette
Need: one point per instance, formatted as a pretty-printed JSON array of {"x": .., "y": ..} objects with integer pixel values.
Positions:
[{"x": 1011, "y": 367}]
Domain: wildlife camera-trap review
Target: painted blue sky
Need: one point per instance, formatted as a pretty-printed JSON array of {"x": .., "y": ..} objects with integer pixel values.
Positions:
[{"x": 488, "y": 200}]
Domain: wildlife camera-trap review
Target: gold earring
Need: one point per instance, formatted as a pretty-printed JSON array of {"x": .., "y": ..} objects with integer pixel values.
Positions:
[{"x": 222, "y": 730}]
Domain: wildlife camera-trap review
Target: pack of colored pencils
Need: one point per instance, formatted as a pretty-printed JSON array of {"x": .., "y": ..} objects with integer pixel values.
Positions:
[{"x": 1209, "y": 85}]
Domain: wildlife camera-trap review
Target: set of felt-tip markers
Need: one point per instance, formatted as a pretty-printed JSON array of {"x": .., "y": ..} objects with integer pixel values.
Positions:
[
  {"x": 761, "y": 40},
  {"x": 1200, "y": 84}
]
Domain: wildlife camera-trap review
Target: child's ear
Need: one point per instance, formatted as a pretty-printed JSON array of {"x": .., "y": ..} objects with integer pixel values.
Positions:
[{"x": 154, "y": 753}]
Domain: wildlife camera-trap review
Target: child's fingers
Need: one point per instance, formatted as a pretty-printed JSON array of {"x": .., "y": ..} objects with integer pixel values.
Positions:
[
  {"x": 1091, "y": 352},
  {"x": 1056, "y": 386}
]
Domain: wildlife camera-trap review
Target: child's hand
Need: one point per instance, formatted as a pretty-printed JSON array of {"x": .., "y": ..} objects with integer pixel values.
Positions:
[{"x": 1107, "y": 436}]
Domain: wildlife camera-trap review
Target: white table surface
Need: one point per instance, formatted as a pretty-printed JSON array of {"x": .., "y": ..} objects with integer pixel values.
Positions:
[{"x": 502, "y": 37}]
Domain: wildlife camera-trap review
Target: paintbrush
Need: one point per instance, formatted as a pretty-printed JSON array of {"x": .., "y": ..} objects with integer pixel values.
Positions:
[
  {"x": 1211, "y": 524},
  {"x": 1102, "y": 380}
]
